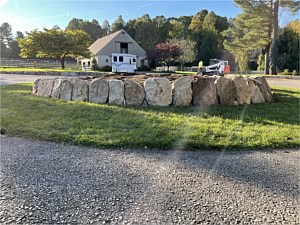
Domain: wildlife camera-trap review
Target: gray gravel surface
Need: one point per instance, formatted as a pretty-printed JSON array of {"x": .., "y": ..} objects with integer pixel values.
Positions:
[
  {"x": 48, "y": 183},
  {"x": 288, "y": 83}
]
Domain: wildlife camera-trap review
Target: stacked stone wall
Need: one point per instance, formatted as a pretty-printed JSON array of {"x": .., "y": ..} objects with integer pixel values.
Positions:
[{"x": 184, "y": 91}]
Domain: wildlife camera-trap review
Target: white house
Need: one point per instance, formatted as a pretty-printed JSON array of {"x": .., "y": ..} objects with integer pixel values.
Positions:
[{"x": 118, "y": 42}]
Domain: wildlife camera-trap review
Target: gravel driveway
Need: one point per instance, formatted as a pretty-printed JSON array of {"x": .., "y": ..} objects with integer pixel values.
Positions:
[{"x": 47, "y": 183}]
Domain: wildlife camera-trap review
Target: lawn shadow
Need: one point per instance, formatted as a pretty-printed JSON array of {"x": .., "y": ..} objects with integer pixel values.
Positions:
[
  {"x": 264, "y": 113},
  {"x": 109, "y": 126}
]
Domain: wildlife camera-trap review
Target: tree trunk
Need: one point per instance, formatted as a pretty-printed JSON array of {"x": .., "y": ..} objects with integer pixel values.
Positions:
[
  {"x": 62, "y": 62},
  {"x": 274, "y": 45},
  {"x": 267, "y": 60}
]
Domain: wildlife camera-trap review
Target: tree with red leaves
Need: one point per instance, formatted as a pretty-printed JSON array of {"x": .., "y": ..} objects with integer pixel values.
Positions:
[{"x": 166, "y": 53}]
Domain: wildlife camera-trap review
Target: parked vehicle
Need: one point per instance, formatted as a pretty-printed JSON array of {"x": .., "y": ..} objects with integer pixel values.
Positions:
[
  {"x": 216, "y": 67},
  {"x": 123, "y": 63}
]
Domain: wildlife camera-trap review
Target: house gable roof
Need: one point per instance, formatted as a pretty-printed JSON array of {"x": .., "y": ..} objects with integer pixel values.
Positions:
[{"x": 99, "y": 44}]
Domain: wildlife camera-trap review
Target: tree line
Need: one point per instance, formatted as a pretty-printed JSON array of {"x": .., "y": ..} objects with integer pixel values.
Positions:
[{"x": 251, "y": 40}]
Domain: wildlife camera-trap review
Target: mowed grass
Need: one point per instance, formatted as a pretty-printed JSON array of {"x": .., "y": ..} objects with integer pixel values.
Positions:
[
  {"x": 21, "y": 69},
  {"x": 261, "y": 126}
]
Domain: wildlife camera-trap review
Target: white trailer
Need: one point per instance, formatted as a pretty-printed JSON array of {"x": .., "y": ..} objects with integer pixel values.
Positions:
[{"x": 123, "y": 63}]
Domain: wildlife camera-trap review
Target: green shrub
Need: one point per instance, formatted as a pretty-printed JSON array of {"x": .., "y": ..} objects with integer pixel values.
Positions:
[
  {"x": 144, "y": 68},
  {"x": 286, "y": 72},
  {"x": 295, "y": 73},
  {"x": 105, "y": 68},
  {"x": 94, "y": 64}
]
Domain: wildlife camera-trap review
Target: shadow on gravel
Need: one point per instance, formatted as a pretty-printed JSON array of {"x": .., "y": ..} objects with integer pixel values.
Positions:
[{"x": 273, "y": 170}]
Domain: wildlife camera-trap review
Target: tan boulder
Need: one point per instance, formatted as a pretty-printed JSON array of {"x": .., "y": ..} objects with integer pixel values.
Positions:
[
  {"x": 205, "y": 91},
  {"x": 116, "y": 92},
  {"x": 182, "y": 91},
  {"x": 225, "y": 90},
  {"x": 158, "y": 91},
  {"x": 134, "y": 93},
  {"x": 243, "y": 91},
  {"x": 98, "y": 91}
]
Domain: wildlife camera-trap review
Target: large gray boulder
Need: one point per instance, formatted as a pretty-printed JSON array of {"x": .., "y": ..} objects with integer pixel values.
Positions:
[
  {"x": 98, "y": 91},
  {"x": 182, "y": 91},
  {"x": 256, "y": 95},
  {"x": 116, "y": 92},
  {"x": 80, "y": 90},
  {"x": 158, "y": 91},
  {"x": 264, "y": 87},
  {"x": 66, "y": 90},
  {"x": 243, "y": 91},
  {"x": 225, "y": 90},
  {"x": 35, "y": 86},
  {"x": 134, "y": 93},
  {"x": 205, "y": 91},
  {"x": 62, "y": 89},
  {"x": 43, "y": 87},
  {"x": 56, "y": 88}
]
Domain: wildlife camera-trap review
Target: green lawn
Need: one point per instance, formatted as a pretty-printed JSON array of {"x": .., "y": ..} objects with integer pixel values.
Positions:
[{"x": 269, "y": 125}]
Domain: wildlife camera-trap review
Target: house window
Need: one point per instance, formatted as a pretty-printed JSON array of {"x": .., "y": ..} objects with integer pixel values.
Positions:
[
  {"x": 142, "y": 62},
  {"x": 89, "y": 63},
  {"x": 115, "y": 59},
  {"x": 124, "y": 47},
  {"x": 133, "y": 60},
  {"x": 121, "y": 59}
]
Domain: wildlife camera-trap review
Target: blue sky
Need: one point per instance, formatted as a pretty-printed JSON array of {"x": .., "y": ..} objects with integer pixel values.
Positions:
[{"x": 26, "y": 15}]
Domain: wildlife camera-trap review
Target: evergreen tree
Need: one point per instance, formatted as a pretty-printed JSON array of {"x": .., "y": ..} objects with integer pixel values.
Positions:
[
  {"x": 92, "y": 28},
  {"x": 5, "y": 39},
  {"x": 119, "y": 24},
  {"x": 258, "y": 28},
  {"x": 9, "y": 47},
  {"x": 288, "y": 47},
  {"x": 106, "y": 28}
]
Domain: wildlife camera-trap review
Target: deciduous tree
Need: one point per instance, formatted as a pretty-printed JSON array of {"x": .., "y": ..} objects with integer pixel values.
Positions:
[
  {"x": 55, "y": 43},
  {"x": 167, "y": 53},
  {"x": 187, "y": 47}
]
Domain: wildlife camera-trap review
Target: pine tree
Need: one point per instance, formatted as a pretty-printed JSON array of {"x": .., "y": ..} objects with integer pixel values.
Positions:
[
  {"x": 119, "y": 24},
  {"x": 257, "y": 27}
]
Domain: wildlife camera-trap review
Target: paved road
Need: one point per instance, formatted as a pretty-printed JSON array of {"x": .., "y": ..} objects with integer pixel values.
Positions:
[
  {"x": 6, "y": 79},
  {"x": 47, "y": 183},
  {"x": 284, "y": 83},
  {"x": 14, "y": 79}
]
